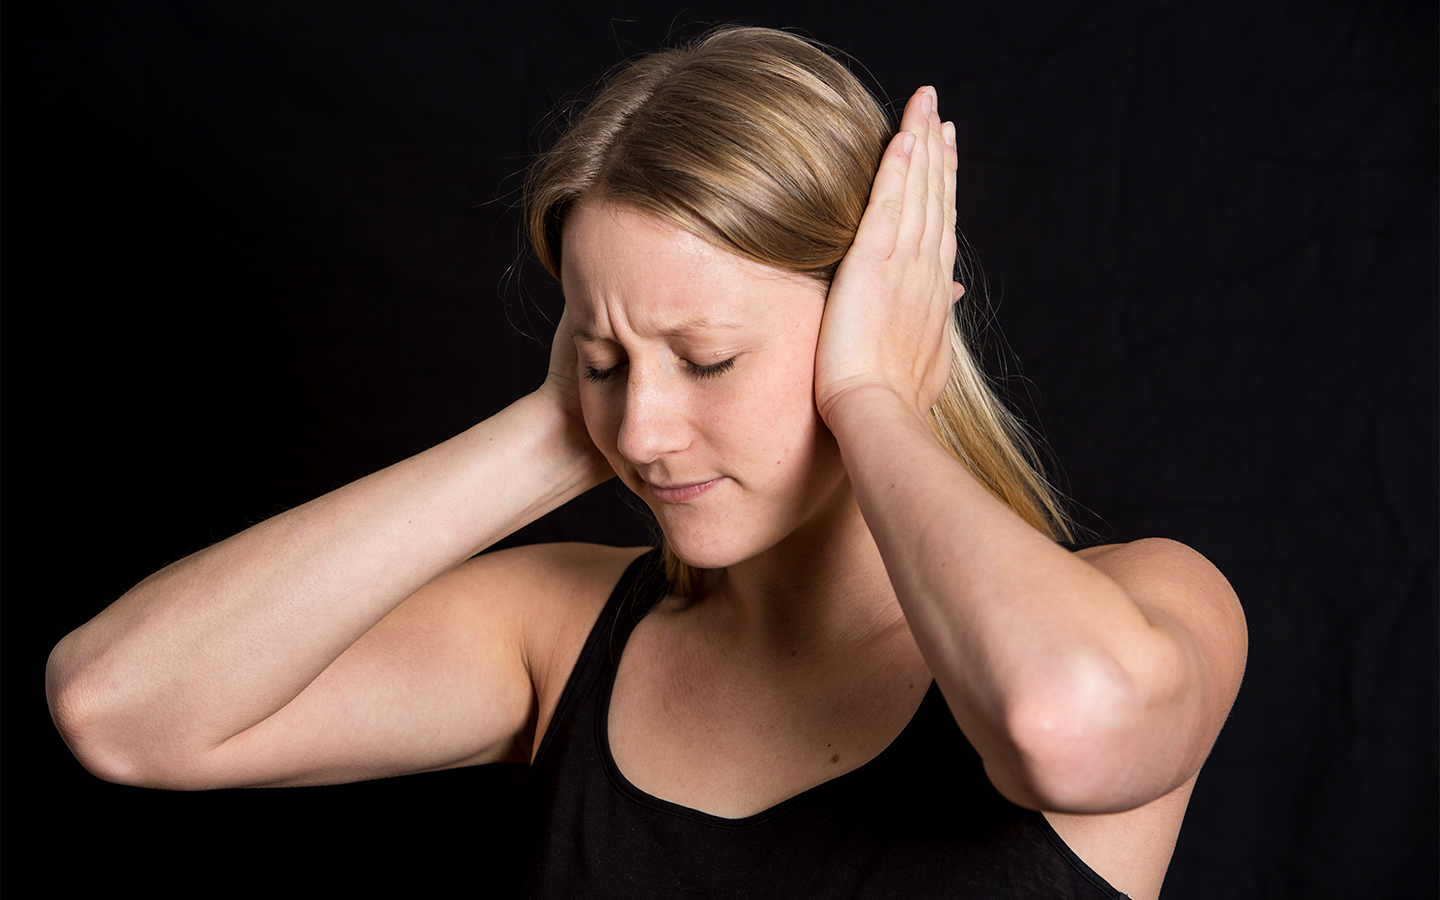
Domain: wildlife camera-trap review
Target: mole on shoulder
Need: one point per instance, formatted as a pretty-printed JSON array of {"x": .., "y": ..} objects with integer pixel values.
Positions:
[{"x": 835, "y": 758}]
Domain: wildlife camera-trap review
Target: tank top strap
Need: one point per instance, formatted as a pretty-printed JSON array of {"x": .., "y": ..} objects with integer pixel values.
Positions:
[{"x": 641, "y": 586}]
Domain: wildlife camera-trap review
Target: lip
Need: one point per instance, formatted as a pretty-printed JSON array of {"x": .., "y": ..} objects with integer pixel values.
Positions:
[{"x": 681, "y": 493}]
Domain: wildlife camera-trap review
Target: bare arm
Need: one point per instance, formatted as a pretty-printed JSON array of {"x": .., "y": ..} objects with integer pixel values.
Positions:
[
  {"x": 1088, "y": 685},
  {"x": 191, "y": 679}
]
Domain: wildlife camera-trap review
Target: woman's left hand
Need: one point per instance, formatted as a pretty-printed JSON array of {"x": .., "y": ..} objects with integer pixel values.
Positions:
[{"x": 886, "y": 315}]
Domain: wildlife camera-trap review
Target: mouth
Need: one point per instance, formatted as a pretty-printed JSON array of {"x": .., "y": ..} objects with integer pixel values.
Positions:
[{"x": 681, "y": 493}]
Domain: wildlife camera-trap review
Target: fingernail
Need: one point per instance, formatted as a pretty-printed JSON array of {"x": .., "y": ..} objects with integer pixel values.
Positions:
[
  {"x": 927, "y": 102},
  {"x": 948, "y": 131},
  {"x": 908, "y": 143}
]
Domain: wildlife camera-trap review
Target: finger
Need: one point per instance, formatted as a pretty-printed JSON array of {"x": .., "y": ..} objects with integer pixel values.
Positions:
[
  {"x": 914, "y": 214},
  {"x": 564, "y": 357},
  {"x": 564, "y": 334},
  {"x": 915, "y": 117},
  {"x": 935, "y": 211},
  {"x": 949, "y": 239},
  {"x": 880, "y": 223}
]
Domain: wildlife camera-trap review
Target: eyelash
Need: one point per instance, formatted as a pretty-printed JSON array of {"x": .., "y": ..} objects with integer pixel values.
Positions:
[
  {"x": 595, "y": 376},
  {"x": 719, "y": 368}
]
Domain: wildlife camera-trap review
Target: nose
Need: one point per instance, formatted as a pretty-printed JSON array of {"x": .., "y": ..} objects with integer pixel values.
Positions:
[{"x": 653, "y": 423}]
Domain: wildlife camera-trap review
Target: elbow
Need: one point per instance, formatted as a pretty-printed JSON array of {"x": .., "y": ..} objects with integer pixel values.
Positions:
[
  {"x": 88, "y": 712},
  {"x": 82, "y": 729},
  {"x": 1078, "y": 743},
  {"x": 78, "y": 710}
]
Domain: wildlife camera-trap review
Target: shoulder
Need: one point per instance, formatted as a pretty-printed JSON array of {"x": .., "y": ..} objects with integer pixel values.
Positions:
[
  {"x": 546, "y": 573},
  {"x": 544, "y": 589},
  {"x": 550, "y": 596},
  {"x": 1158, "y": 559},
  {"x": 1166, "y": 573},
  {"x": 1181, "y": 591}
]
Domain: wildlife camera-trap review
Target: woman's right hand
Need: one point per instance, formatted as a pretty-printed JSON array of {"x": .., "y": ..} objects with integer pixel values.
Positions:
[{"x": 562, "y": 387}]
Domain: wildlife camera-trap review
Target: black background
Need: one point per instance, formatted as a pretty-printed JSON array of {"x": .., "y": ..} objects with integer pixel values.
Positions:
[{"x": 256, "y": 250}]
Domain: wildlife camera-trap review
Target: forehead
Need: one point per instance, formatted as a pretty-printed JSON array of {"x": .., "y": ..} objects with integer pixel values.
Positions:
[{"x": 621, "y": 268}]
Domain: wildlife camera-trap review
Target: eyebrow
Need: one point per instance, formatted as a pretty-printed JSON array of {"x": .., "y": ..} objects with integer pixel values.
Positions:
[{"x": 681, "y": 329}]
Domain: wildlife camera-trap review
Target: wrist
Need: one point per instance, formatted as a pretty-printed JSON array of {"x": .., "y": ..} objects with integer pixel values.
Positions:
[
  {"x": 558, "y": 438},
  {"x": 511, "y": 469},
  {"x": 871, "y": 409}
]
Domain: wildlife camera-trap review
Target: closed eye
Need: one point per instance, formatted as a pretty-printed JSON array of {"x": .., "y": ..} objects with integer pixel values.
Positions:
[
  {"x": 719, "y": 368},
  {"x": 695, "y": 370},
  {"x": 596, "y": 376}
]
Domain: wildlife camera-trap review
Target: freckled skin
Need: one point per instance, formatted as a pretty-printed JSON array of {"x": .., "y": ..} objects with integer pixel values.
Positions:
[{"x": 632, "y": 285}]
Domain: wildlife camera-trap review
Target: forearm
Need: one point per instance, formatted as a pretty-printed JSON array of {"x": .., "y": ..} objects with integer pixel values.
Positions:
[
  {"x": 1057, "y": 675},
  {"x": 217, "y": 642}
]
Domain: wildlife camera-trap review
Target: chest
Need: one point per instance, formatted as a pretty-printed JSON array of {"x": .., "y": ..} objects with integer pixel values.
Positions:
[{"x": 732, "y": 738}]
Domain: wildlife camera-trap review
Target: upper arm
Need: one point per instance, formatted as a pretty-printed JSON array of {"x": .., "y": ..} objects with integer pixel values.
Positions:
[
  {"x": 447, "y": 679},
  {"x": 1189, "y": 601}
]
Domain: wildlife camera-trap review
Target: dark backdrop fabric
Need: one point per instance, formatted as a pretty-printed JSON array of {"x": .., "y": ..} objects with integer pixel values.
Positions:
[{"x": 256, "y": 250}]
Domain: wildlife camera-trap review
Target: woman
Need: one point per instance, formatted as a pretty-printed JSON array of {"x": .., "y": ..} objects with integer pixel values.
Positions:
[{"x": 864, "y": 666}]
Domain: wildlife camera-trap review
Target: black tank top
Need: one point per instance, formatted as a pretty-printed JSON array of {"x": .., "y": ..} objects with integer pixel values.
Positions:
[{"x": 919, "y": 820}]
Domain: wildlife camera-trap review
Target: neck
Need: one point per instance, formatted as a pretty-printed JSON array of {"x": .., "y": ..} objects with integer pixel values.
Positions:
[{"x": 821, "y": 591}]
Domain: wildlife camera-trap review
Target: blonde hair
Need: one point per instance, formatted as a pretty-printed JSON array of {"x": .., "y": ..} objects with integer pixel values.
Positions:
[{"x": 766, "y": 146}]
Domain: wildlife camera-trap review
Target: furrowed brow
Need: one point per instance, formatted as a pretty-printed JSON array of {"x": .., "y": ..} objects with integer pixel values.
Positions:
[
  {"x": 700, "y": 323},
  {"x": 680, "y": 329}
]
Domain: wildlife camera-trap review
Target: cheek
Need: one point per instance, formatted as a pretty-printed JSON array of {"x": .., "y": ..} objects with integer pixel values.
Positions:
[
  {"x": 793, "y": 391},
  {"x": 778, "y": 419},
  {"x": 602, "y": 419},
  {"x": 807, "y": 434}
]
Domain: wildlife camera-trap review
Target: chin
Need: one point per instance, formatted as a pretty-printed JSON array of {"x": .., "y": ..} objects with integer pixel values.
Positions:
[
  {"x": 709, "y": 542},
  {"x": 718, "y": 543},
  {"x": 708, "y": 554}
]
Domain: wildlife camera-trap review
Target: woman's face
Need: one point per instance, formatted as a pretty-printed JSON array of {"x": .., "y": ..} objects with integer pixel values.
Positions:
[{"x": 697, "y": 382}]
